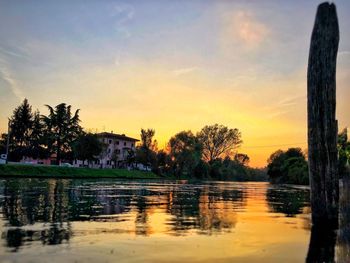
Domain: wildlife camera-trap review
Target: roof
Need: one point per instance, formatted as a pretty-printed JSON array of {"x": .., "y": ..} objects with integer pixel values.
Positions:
[{"x": 117, "y": 136}]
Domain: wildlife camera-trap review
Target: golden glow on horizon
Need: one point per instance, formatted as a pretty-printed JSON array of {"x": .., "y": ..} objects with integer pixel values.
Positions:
[
  {"x": 235, "y": 76},
  {"x": 143, "y": 96}
]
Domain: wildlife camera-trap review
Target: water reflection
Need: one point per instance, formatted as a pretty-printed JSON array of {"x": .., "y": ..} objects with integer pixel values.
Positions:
[
  {"x": 249, "y": 217},
  {"x": 43, "y": 210},
  {"x": 329, "y": 243},
  {"x": 27, "y": 202},
  {"x": 287, "y": 200}
]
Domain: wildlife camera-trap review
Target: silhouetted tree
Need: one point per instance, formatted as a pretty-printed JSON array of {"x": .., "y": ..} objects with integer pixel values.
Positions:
[
  {"x": 288, "y": 167},
  {"x": 87, "y": 147},
  {"x": 61, "y": 129},
  {"x": 343, "y": 152},
  {"x": 3, "y": 141},
  {"x": 37, "y": 141},
  {"x": 146, "y": 151},
  {"x": 21, "y": 126},
  {"x": 218, "y": 141},
  {"x": 186, "y": 152},
  {"x": 242, "y": 158}
]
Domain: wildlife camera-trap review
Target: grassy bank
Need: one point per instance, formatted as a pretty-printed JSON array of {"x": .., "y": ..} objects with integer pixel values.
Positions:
[{"x": 38, "y": 171}]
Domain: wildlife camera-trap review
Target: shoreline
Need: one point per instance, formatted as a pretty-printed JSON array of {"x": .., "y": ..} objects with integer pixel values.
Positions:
[{"x": 41, "y": 171}]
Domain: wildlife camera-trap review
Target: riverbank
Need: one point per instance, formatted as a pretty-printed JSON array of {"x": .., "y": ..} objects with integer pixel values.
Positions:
[{"x": 41, "y": 171}]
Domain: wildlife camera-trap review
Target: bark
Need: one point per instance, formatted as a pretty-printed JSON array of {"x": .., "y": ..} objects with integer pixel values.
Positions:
[{"x": 322, "y": 125}]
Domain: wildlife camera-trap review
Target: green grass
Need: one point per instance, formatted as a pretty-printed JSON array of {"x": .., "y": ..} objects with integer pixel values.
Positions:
[{"x": 37, "y": 171}]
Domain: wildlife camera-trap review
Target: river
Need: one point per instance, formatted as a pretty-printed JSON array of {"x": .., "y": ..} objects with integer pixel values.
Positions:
[{"x": 66, "y": 220}]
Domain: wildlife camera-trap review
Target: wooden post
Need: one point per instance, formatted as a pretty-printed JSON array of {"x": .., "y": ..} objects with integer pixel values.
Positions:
[{"x": 322, "y": 125}]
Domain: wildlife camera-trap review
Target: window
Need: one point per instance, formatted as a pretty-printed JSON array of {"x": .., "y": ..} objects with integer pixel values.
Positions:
[
  {"x": 117, "y": 151},
  {"x": 110, "y": 141},
  {"x": 124, "y": 143},
  {"x": 109, "y": 150},
  {"x": 132, "y": 145},
  {"x": 117, "y": 142}
]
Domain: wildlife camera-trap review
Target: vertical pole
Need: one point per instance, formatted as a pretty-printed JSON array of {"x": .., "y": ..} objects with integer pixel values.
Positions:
[
  {"x": 322, "y": 124},
  {"x": 8, "y": 140}
]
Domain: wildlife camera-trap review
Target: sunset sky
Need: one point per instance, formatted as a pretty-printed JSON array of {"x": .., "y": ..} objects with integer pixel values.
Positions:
[{"x": 170, "y": 65}]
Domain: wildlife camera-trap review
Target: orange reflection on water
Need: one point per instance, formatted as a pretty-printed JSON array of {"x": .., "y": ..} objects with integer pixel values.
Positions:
[{"x": 158, "y": 222}]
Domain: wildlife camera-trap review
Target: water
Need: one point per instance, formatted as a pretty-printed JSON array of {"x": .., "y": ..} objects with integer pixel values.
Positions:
[{"x": 51, "y": 220}]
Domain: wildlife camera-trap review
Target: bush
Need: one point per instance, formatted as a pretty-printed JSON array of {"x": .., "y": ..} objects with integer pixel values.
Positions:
[{"x": 288, "y": 167}]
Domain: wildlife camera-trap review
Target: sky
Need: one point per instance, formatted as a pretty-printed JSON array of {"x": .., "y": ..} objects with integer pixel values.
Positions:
[{"x": 170, "y": 65}]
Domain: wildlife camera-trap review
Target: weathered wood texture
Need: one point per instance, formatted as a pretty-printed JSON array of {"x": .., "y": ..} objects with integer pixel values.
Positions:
[{"x": 322, "y": 124}]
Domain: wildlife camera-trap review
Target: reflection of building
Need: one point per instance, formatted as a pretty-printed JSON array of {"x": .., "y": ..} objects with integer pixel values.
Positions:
[{"x": 115, "y": 153}]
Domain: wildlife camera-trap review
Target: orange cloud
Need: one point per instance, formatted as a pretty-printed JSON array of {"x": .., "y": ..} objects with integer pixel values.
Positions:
[{"x": 243, "y": 29}]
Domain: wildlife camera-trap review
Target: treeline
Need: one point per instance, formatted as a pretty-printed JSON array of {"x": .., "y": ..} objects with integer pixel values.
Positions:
[
  {"x": 209, "y": 154},
  {"x": 57, "y": 135},
  {"x": 291, "y": 167}
]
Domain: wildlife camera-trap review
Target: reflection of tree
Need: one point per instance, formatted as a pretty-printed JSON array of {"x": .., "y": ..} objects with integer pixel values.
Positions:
[
  {"x": 94, "y": 203},
  {"x": 206, "y": 209},
  {"x": 287, "y": 201},
  {"x": 141, "y": 222},
  {"x": 27, "y": 202}
]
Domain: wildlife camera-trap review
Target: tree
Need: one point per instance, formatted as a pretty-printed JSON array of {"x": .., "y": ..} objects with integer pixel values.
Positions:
[
  {"x": 288, "y": 167},
  {"x": 87, "y": 147},
  {"x": 61, "y": 129},
  {"x": 185, "y": 151},
  {"x": 218, "y": 141},
  {"x": 21, "y": 125},
  {"x": 147, "y": 138},
  {"x": 37, "y": 142},
  {"x": 130, "y": 157},
  {"x": 3, "y": 141},
  {"x": 343, "y": 152},
  {"x": 242, "y": 158},
  {"x": 164, "y": 163},
  {"x": 146, "y": 151}
]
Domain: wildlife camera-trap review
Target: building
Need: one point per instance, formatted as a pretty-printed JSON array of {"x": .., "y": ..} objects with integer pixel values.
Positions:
[{"x": 117, "y": 147}]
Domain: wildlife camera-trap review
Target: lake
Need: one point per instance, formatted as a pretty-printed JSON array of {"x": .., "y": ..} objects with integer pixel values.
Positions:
[{"x": 49, "y": 220}]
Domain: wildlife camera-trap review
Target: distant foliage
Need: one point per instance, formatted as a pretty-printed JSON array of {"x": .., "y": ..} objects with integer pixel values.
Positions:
[
  {"x": 61, "y": 129},
  {"x": 146, "y": 152},
  {"x": 209, "y": 154},
  {"x": 26, "y": 133},
  {"x": 344, "y": 153},
  {"x": 3, "y": 140},
  {"x": 185, "y": 151},
  {"x": 288, "y": 167},
  {"x": 218, "y": 141},
  {"x": 87, "y": 147}
]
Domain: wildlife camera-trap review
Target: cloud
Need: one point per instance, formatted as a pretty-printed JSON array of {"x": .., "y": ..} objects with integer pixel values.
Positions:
[
  {"x": 283, "y": 106},
  {"x": 290, "y": 101},
  {"x": 123, "y": 13},
  {"x": 244, "y": 29},
  {"x": 183, "y": 71},
  {"x": 6, "y": 75},
  {"x": 9, "y": 52},
  {"x": 276, "y": 114}
]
